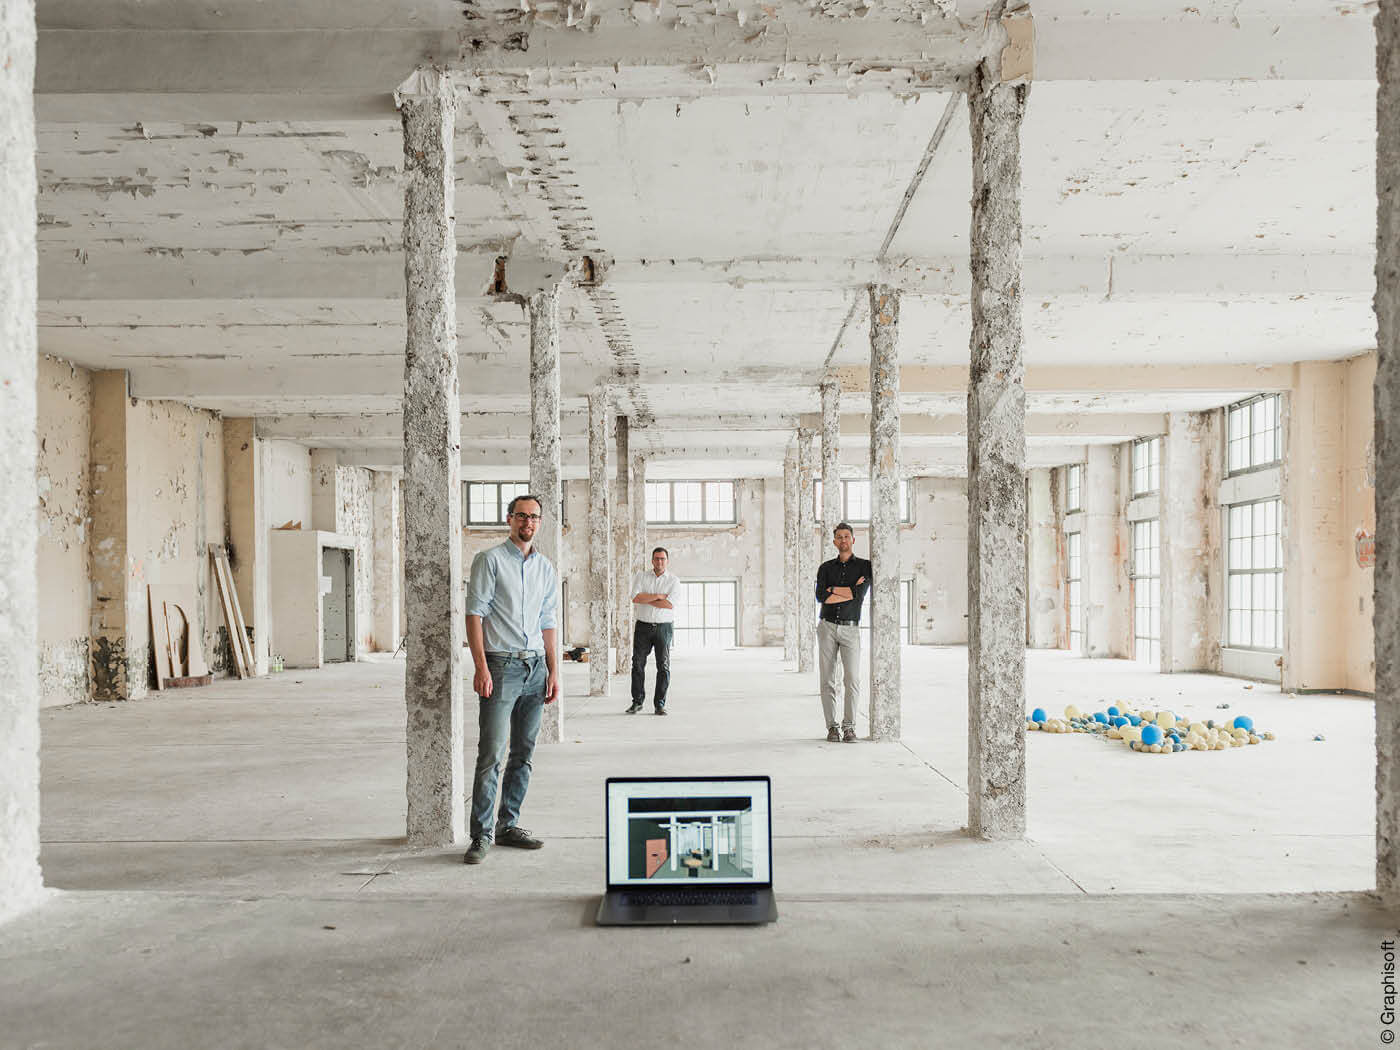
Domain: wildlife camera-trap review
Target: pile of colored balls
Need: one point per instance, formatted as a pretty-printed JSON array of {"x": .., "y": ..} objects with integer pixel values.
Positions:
[{"x": 1152, "y": 732}]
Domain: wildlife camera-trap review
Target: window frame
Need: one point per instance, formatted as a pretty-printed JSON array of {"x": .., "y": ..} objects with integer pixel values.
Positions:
[
  {"x": 1074, "y": 585},
  {"x": 501, "y": 521},
  {"x": 906, "y": 614},
  {"x": 1138, "y": 576},
  {"x": 678, "y": 632},
  {"x": 1277, "y": 572},
  {"x": 1248, "y": 404},
  {"x": 1074, "y": 488},
  {"x": 704, "y": 518},
  {"x": 906, "y": 510},
  {"x": 1151, "y": 448}
]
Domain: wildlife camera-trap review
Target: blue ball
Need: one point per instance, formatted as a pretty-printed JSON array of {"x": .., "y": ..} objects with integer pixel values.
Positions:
[
  {"x": 1038, "y": 715},
  {"x": 1112, "y": 711},
  {"x": 1099, "y": 716},
  {"x": 1134, "y": 720},
  {"x": 1119, "y": 721},
  {"x": 1151, "y": 735},
  {"x": 1244, "y": 722}
]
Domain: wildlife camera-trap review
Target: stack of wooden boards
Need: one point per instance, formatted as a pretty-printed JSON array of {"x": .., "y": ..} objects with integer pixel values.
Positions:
[{"x": 233, "y": 613}]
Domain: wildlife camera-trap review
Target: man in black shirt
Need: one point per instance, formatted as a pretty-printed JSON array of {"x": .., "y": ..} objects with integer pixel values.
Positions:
[{"x": 841, "y": 586}]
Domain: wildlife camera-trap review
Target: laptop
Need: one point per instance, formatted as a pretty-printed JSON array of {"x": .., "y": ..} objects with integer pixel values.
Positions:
[{"x": 688, "y": 850}]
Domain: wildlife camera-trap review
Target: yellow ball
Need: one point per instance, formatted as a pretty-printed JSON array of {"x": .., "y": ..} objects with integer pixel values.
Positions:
[
  {"x": 1165, "y": 720},
  {"x": 1073, "y": 712}
]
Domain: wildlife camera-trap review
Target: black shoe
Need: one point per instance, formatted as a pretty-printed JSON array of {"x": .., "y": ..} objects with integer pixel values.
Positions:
[
  {"x": 849, "y": 737},
  {"x": 660, "y": 710},
  {"x": 833, "y": 735},
  {"x": 477, "y": 851},
  {"x": 517, "y": 837},
  {"x": 633, "y": 709}
]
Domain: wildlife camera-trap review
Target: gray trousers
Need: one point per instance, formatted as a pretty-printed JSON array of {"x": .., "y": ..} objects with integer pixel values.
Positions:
[{"x": 839, "y": 641}]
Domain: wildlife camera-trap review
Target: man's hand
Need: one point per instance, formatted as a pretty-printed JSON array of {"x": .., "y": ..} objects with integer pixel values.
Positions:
[
  {"x": 860, "y": 581},
  {"x": 481, "y": 682},
  {"x": 663, "y": 603},
  {"x": 551, "y": 688}
]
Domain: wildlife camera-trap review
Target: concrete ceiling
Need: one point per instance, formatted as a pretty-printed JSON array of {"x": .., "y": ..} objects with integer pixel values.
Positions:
[{"x": 220, "y": 202}]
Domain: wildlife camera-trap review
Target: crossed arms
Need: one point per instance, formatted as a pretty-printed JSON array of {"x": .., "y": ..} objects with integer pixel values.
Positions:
[{"x": 658, "y": 600}]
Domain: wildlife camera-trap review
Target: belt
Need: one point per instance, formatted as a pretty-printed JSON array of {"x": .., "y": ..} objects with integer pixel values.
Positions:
[
  {"x": 515, "y": 654},
  {"x": 841, "y": 623}
]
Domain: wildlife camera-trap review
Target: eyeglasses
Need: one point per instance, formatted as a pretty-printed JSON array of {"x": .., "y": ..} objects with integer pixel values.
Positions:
[{"x": 525, "y": 517}]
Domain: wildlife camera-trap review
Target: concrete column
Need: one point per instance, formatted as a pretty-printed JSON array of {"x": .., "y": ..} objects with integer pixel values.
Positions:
[
  {"x": 120, "y": 635},
  {"x": 791, "y": 589},
  {"x": 641, "y": 547},
  {"x": 884, "y": 514},
  {"x": 386, "y": 560},
  {"x": 1106, "y": 556},
  {"x": 432, "y": 455},
  {"x": 244, "y": 456},
  {"x": 831, "y": 460},
  {"x": 1045, "y": 569},
  {"x": 806, "y": 551},
  {"x": 996, "y": 458},
  {"x": 599, "y": 544},
  {"x": 622, "y": 551},
  {"x": 325, "y": 502},
  {"x": 1192, "y": 569},
  {"x": 20, "y": 882},
  {"x": 545, "y": 476},
  {"x": 1387, "y": 444}
]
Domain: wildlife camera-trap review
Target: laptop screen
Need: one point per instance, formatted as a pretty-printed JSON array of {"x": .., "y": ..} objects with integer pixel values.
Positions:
[{"x": 689, "y": 831}]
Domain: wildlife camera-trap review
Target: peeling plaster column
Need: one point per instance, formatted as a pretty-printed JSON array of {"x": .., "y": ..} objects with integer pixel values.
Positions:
[
  {"x": 545, "y": 474},
  {"x": 1191, "y": 548},
  {"x": 325, "y": 501},
  {"x": 21, "y": 884},
  {"x": 622, "y": 553},
  {"x": 791, "y": 589},
  {"x": 119, "y": 636},
  {"x": 386, "y": 560},
  {"x": 641, "y": 555},
  {"x": 432, "y": 424},
  {"x": 831, "y": 462},
  {"x": 599, "y": 544},
  {"x": 996, "y": 458},
  {"x": 1387, "y": 439},
  {"x": 884, "y": 514},
  {"x": 244, "y": 456},
  {"x": 806, "y": 551}
]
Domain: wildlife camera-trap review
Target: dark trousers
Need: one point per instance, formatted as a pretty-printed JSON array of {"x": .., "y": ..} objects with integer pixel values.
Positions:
[{"x": 645, "y": 638}]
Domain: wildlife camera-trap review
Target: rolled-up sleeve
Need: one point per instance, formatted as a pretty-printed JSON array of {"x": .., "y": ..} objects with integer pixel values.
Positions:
[
  {"x": 549, "y": 602},
  {"x": 482, "y": 588}
]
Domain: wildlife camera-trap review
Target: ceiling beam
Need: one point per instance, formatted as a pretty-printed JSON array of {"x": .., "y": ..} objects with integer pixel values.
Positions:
[{"x": 1088, "y": 379}]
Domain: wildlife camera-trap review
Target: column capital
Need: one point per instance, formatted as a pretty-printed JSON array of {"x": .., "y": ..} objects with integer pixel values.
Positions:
[{"x": 426, "y": 84}]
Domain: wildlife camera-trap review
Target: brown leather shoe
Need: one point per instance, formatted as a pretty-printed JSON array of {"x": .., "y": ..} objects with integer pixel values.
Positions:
[
  {"x": 833, "y": 735},
  {"x": 848, "y": 737}
]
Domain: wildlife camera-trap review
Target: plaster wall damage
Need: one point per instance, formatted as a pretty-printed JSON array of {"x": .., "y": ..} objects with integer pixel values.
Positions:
[
  {"x": 1359, "y": 517},
  {"x": 1191, "y": 534},
  {"x": 354, "y": 517},
  {"x": 288, "y": 484},
  {"x": 1107, "y": 555},
  {"x": 1046, "y": 589},
  {"x": 64, "y": 403}
]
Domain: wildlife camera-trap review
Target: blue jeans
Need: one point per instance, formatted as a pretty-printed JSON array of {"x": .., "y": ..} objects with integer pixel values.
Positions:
[{"x": 512, "y": 713}]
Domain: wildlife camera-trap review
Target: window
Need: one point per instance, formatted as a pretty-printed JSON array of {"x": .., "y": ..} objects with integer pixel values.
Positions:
[
  {"x": 686, "y": 502},
  {"x": 706, "y": 616},
  {"x": 855, "y": 501},
  {"x": 1254, "y": 576},
  {"x": 1147, "y": 591},
  {"x": 906, "y": 602},
  {"x": 487, "y": 500},
  {"x": 1073, "y": 596},
  {"x": 1147, "y": 465},
  {"x": 1074, "y": 481},
  {"x": 1253, "y": 434}
]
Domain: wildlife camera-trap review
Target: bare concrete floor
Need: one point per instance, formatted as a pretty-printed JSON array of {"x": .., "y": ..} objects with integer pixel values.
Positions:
[{"x": 233, "y": 874}]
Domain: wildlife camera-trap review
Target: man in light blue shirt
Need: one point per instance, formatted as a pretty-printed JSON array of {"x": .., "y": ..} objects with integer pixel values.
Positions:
[{"x": 511, "y": 610}]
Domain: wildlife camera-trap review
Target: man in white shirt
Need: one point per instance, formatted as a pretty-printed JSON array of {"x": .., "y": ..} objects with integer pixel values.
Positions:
[{"x": 651, "y": 599}]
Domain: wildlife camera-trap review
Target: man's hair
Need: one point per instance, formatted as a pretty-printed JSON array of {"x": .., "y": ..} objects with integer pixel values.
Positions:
[
  {"x": 842, "y": 525},
  {"x": 661, "y": 550},
  {"x": 510, "y": 509}
]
